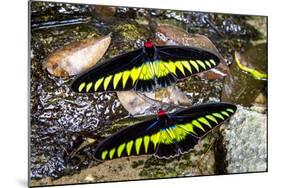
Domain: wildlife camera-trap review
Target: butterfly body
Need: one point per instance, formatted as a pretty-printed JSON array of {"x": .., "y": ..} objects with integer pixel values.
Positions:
[
  {"x": 167, "y": 135},
  {"x": 145, "y": 69}
]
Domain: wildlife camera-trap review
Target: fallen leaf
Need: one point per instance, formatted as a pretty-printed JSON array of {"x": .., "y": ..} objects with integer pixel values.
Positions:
[
  {"x": 76, "y": 57},
  {"x": 137, "y": 104}
]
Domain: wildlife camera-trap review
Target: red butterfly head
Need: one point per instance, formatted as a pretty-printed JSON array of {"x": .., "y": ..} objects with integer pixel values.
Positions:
[
  {"x": 161, "y": 113},
  {"x": 148, "y": 44}
]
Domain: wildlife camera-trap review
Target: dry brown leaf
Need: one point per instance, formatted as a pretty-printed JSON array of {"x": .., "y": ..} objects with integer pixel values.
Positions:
[
  {"x": 137, "y": 105},
  {"x": 76, "y": 57}
]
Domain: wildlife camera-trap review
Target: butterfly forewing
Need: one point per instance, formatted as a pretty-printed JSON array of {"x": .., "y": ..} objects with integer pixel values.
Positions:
[
  {"x": 177, "y": 134},
  {"x": 117, "y": 74},
  {"x": 138, "y": 71},
  {"x": 184, "y": 61},
  {"x": 200, "y": 119},
  {"x": 138, "y": 139}
]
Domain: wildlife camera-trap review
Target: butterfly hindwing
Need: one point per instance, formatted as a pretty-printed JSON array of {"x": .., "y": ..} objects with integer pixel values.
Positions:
[
  {"x": 168, "y": 137},
  {"x": 146, "y": 70},
  {"x": 176, "y": 148}
]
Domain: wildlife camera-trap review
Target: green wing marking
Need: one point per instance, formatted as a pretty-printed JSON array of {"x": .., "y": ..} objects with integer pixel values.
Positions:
[{"x": 177, "y": 134}]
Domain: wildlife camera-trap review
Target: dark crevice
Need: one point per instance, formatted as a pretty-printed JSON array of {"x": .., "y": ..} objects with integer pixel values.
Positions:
[{"x": 220, "y": 155}]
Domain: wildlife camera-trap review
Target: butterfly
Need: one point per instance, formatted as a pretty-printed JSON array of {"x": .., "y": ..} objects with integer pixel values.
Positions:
[
  {"x": 145, "y": 69},
  {"x": 167, "y": 135}
]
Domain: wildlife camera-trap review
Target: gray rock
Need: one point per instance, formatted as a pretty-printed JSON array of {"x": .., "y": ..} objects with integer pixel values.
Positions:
[{"x": 246, "y": 141}]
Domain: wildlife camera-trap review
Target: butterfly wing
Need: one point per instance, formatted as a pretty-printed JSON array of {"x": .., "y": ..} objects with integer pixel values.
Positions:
[
  {"x": 178, "y": 134},
  {"x": 117, "y": 74},
  {"x": 172, "y": 63},
  {"x": 185, "y": 61},
  {"x": 190, "y": 125},
  {"x": 141, "y": 138},
  {"x": 135, "y": 70}
]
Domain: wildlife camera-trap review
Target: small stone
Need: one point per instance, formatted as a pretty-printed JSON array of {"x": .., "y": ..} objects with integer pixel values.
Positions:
[
  {"x": 89, "y": 178},
  {"x": 260, "y": 99},
  {"x": 259, "y": 108}
]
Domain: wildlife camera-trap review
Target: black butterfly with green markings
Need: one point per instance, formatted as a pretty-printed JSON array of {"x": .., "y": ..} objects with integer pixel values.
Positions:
[
  {"x": 146, "y": 69},
  {"x": 166, "y": 136}
]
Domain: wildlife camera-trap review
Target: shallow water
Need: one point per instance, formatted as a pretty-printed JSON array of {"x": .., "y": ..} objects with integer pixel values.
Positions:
[{"x": 62, "y": 120}]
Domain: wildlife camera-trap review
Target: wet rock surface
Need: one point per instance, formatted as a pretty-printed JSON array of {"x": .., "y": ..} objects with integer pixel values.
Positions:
[
  {"x": 241, "y": 87},
  {"x": 65, "y": 126},
  {"x": 245, "y": 139}
]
